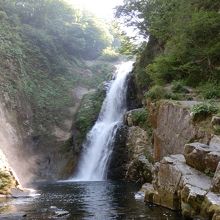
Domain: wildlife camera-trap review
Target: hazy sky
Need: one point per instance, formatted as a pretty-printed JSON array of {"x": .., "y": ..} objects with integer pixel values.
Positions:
[{"x": 101, "y": 8}]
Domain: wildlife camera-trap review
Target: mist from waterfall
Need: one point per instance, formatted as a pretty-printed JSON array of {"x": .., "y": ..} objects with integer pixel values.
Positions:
[
  {"x": 98, "y": 146},
  {"x": 12, "y": 148}
]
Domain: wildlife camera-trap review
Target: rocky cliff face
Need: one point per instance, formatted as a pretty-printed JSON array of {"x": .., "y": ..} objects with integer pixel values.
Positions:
[
  {"x": 133, "y": 153},
  {"x": 173, "y": 127},
  {"x": 176, "y": 155},
  {"x": 188, "y": 156}
]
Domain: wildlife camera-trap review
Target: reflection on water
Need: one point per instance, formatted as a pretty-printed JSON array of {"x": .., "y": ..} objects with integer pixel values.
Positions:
[{"x": 84, "y": 200}]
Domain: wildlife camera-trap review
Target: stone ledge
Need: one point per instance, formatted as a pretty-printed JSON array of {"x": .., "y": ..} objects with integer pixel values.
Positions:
[
  {"x": 178, "y": 186},
  {"x": 202, "y": 157}
]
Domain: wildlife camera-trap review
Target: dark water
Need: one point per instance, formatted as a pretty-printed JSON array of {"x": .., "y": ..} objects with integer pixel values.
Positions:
[{"x": 84, "y": 200}]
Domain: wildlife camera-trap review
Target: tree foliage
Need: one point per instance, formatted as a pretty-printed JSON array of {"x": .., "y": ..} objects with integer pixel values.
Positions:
[
  {"x": 188, "y": 33},
  {"x": 78, "y": 33},
  {"x": 43, "y": 48}
]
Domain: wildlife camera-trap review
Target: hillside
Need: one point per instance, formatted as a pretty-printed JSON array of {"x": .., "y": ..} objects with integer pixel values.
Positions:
[{"x": 49, "y": 55}]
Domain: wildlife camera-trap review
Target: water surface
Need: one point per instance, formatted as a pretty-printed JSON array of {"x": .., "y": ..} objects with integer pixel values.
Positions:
[{"x": 85, "y": 200}]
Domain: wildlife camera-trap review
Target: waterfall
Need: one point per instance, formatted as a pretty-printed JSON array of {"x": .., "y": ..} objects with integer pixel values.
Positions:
[{"x": 98, "y": 146}]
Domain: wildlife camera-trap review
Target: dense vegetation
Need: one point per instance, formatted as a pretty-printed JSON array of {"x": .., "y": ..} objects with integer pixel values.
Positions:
[
  {"x": 183, "y": 43},
  {"x": 45, "y": 46}
]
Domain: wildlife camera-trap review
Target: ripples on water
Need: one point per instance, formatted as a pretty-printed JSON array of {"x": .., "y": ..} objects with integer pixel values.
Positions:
[{"x": 85, "y": 200}]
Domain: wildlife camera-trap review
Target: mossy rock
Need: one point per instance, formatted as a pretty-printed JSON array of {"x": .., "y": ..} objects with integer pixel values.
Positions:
[
  {"x": 7, "y": 181},
  {"x": 87, "y": 114},
  {"x": 139, "y": 117}
]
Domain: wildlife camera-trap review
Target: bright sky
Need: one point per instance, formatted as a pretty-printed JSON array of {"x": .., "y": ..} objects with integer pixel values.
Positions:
[{"x": 101, "y": 8}]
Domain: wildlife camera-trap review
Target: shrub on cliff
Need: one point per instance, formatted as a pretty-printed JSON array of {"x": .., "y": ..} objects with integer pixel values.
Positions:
[
  {"x": 210, "y": 90},
  {"x": 87, "y": 115},
  {"x": 156, "y": 92},
  {"x": 203, "y": 110}
]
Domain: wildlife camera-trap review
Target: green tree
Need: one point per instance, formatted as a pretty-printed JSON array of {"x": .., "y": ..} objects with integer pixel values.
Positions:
[{"x": 188, "y": 32}]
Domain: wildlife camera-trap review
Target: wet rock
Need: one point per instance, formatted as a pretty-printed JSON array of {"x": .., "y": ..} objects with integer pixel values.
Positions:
[
  {"x": 57, "y": 213},
  {"x": 139, "y": 195},
  {"x": 61, "y": 213},
  {"x": 132, "y": 155},
  {"x": 191, "y": 200},
  {"x": 149, "y": 192},
  {"x": 119, "y": 158},
  {"x": 140, "y": 170},
  {"x": 216, "y": 180}
]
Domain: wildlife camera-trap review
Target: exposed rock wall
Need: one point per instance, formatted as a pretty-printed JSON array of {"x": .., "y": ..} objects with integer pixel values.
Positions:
[
  {"x": 132, "y": 154},
  {"x": 15, "y": 140},
  {"x": 184, "y": 166},
  {"x": 173, "y": 127}
]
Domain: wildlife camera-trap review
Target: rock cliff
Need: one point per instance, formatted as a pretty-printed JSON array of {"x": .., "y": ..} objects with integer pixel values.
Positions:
[
  {"x": 176, "y": 155},
  {"x": 173, "y": 127},
  {"x": 186, "y": 156}
]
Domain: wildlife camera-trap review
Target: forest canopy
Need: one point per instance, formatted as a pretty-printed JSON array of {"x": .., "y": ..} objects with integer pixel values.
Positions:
[
  {"x": 48, "y": 48},
  {"x": 53, "y": 22}
]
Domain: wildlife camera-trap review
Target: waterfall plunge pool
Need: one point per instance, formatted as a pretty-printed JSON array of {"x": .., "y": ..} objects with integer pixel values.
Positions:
[{"x": 101, "y": 200}]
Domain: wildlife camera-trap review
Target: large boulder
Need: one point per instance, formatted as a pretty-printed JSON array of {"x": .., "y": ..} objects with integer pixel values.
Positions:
[
  {"x": 140, "y": 170},
  {"x": 203, "y": 157},
  {"x": 177, "y": 186}
]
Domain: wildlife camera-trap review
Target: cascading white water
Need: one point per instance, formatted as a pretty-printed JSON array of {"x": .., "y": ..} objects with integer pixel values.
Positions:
[{"x": 99, "y": 143}]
